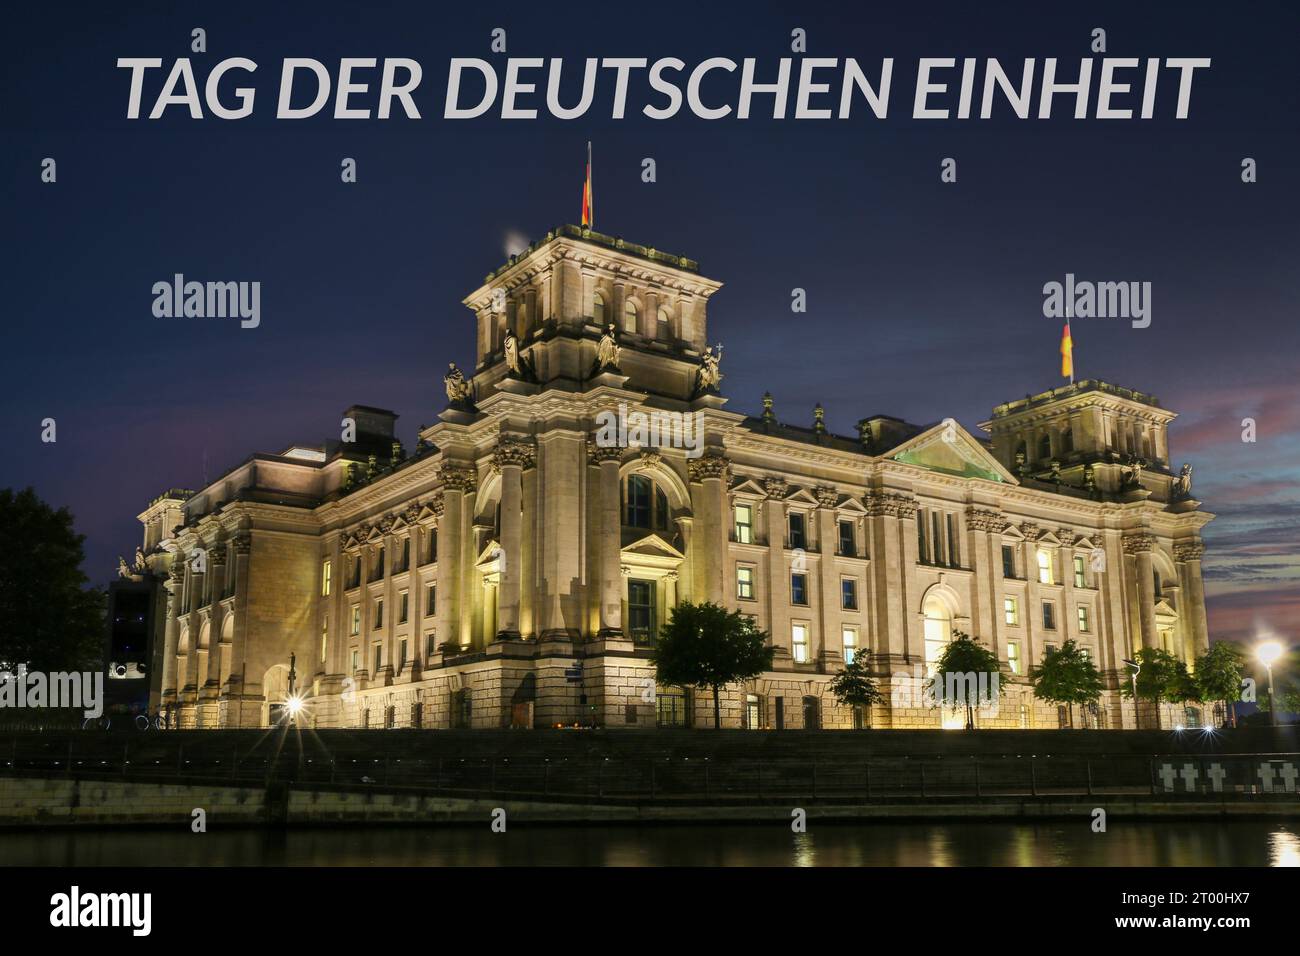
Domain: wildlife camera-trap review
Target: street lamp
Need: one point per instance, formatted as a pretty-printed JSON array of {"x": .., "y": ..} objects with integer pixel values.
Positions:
[
  {"x": 1136, "y": 669},
  {"x": 1267, "y": 654}
]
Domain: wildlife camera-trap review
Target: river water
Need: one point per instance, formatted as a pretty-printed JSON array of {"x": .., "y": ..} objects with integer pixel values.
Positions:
[{"x": 1158, "y": 843}]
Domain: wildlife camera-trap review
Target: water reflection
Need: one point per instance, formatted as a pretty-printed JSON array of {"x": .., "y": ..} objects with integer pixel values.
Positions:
[{"x": 955, "y": 844}]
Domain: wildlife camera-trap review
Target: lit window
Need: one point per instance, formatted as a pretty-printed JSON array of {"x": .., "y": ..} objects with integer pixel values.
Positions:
[
  {"x": 325, "y": 570},
  {"x": 744, "y": 524},
  {"x": 356, "y": 619},
  {"x": 850, "y": 638},
  {"x": 1044, "y": 566},
  {"x": 598, "y": 310},
  {"x": 641, "y": 610},
  {"x": 849, "y": 594},
  {"x": 1013, "y": 656},
  {"x": 1079, "y": 580},
  {"x": 629, "y": 317},
  {"x": 745, "y": 583},
  {"x": 324, "y": 639},
  {"x": 799, "y": 641},
  {"x": 1083, "y": 620},
  {"x": 799, "y": 589},
  {"x": 1011, "y": 610}
]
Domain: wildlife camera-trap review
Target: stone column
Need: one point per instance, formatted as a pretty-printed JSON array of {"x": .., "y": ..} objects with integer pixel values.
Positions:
[
  {"x": 892, "y": 519},
  {"x": 217, "y": 652},
  {"x": 246, "y": 715},
  {"x": 1193, "y": 605},
  {"x": 986, "y": 561},
  {"x": 609, "y": 532},
  {"x": 709, "y": 473},
  {"x": 171, "y": 632},
  {"x": 511, "y": 458},
  {"x": 455, "y": 480},
  {"x": 1139, "y": 545},
  {"x": 778, "y": 583},
  {"x": 828, "y": 640},
  {"x": 1032, "y": 617}
]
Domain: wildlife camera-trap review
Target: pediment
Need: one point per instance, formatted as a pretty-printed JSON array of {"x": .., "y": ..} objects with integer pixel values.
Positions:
[
  {"x": 950, "y": 449},
  {"x": 802, "y": 495},
  {"x": 748, "y": 486},
  {"x": 652, "y": 546},
  {"x": 489, "y": 556}
]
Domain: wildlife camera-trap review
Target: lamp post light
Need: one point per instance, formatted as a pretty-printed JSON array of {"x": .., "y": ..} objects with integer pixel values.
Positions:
[
  {"x": 1267, "y": 654},
  {"x": 1136, "y": 669}
]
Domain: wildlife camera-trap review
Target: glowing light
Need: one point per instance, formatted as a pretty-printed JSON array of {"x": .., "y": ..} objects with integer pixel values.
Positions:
[
  {"x": 294, "y": 705},
  {"x": 1269, "y": 652}
]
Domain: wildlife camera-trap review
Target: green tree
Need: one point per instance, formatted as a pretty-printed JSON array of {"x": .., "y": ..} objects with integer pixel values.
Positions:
[
  {"x": 964, "y": 659},
  {"x": 1067, "y": 676},
  {"x": 707, "y": 646},
  {"x": 1218, "y": 674},
  {"x": 49, "y": 620},
  {"x": 854, "y": 686},
  {"x": 1162, "y": 679}
]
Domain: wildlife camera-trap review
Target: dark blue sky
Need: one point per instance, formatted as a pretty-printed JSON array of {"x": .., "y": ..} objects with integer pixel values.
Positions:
[{"x": 924, "y": 298}]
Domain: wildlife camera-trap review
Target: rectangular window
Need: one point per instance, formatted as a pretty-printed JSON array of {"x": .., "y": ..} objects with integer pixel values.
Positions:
[
  {"x": 1013, "y": 656},
  {"x": 356, "y": 661},
  {"x": 1044, "y": 566},
  {"x": 936, "y": 547},
  {"x": 798, "y": 533},
  {"x": 430, "y": 643},
  {"x": 745, "y": 524},
  {"x": 354, "y": 579},
  {"x": 403, "y": 601},
  {"x": 799, "y": 589},
  {"x": 431, "y": 600},
  {"x": 1008, "y": 561},
  {"x": 641, "y": 610},
  {"x": 1079, "y": 579},
  {"x": 379, "y": 614},
  {"x": 1011, "y": 611},
  {"x": 379, "y": 565},
  {"x": 847, "y": 545},
  {"x": 430, "y": 546},
  {"x": 324, "y": 639},
  {"x": 799, "y": 642},
  {"x": 325, "y": 570},
  {"x": 849, "y": 594},
  {"x": 745, "y": 583},
  {"x": 401, "y": 654},
  {"x": 850, "y": 639},
  {"x": 953, "y": 556},
  {"x": 406, "y": 555},
  {"x": 638, "y": 501},
  {"x": 1083, "y": 620},
  {"x": 356, "y": 619},
  {"x": 379, "y": 658},
  {"x": 922, "y": 552},
  {"x": 1049, "y": 615}
]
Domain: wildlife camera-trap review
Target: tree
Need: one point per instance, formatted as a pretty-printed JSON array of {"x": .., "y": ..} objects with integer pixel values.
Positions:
[
  {"x": 705, "y": 645},
  {"x": 964, "y": 660},
  {"x": 854, "y": 686},
  {"x": 49, "y": 620},
  {"x": 1067, "y": 676},
  {"x": 1218, "y": 674},
  {"x": 1163, "y": 677}
]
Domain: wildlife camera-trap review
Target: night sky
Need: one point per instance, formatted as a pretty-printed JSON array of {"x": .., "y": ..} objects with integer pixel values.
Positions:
[{"x": 924, "y": 298}]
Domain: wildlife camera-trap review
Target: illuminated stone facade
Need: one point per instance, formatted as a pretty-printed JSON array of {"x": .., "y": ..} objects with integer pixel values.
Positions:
[{"x": 461, "y": 584}]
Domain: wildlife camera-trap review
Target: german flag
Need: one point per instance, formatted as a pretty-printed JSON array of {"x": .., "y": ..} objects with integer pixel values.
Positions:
[
  {"x": 587, "y": 202},
  {"x": 1067, "y": 354}
]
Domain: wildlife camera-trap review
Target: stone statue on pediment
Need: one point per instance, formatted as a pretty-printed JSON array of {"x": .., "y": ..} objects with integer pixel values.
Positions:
[
  {"x": 460, "y": 392},
  {"x": 709, "y": 376},
  {"x": 512, "y": 353},
  {"x": 1183, "y": 483}
]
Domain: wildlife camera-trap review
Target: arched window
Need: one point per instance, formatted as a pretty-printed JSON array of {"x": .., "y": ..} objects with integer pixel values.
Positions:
[
  {"x": 629, "y": 317},
  {"x": 598, "y": 309},
  {"x": 1045, "y": 448},
  {"x": 938, "y": 631},
  {"x": 644, "y": 504},
  {"x": 664, "y": 329}
]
